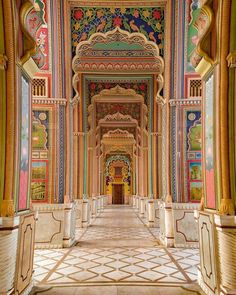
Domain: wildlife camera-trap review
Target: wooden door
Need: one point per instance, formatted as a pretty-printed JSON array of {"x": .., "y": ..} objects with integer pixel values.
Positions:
[{"x": 117, "y": 193}]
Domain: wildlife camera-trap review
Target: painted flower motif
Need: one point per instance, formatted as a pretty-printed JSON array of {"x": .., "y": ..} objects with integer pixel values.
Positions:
[
  {"x": 78, "y": 14},
  {"x": 107, "y": 85},
  {"x": 136, "y": 13},
  {"x": 117, "y": 21},
  {"x": 100, "y": 13},
  {"x": 142, "y": 87},
  {"x": 156, "y": 14},
  {"x": 158, "y": 26},
  {"x": 77, "y": 26},
  {"x": 112, "y": 9},
  {"x": 89, "y": 13},
  {"x": 123, "y": 10},
  {"x": 92, "y": 86},
  {"x": 146, "y": 13}
]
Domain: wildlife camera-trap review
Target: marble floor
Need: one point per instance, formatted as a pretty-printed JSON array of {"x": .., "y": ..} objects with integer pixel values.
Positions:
[{"x": 118, "y": 253}]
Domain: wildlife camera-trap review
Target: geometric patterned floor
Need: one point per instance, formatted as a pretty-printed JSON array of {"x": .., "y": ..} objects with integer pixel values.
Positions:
[{"x": 118, "y": 249}]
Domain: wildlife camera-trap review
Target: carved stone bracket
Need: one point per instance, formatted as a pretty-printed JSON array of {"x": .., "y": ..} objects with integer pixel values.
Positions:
[{"x": 74, "y": 101}]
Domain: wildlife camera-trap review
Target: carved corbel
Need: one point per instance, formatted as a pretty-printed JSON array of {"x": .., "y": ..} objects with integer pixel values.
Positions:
[
  {"x": 75, "y": 84},
  {"x": 160, "y": 84}
]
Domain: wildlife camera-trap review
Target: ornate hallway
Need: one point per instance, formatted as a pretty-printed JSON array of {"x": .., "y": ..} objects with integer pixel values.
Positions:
[
  {"x": 117, "y": 147},
  {"x": 118, "y": 249}
]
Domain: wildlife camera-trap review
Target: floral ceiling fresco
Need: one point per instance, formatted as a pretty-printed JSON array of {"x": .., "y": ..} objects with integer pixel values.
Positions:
[{"x": 86, "y": 21}]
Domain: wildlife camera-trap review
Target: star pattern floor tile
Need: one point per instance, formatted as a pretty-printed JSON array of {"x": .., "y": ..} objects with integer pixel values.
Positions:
[{"x": 117, "y": 249}]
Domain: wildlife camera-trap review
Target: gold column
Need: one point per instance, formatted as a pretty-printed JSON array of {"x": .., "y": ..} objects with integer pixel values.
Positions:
[
  {"x": 3, "y": 66},
  {"x": 231, "y": 58},
  {"x": 10, "y": 46},
  {"x": 226, "y": 206},
  {"x": 167, "y": 96}
]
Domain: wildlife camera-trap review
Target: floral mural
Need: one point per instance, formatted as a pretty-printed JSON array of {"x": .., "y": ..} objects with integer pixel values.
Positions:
[{"x": 86, "y": 21}]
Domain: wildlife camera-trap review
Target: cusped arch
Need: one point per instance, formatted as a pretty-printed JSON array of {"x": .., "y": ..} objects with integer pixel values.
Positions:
[{"x": 117, "y": 51}]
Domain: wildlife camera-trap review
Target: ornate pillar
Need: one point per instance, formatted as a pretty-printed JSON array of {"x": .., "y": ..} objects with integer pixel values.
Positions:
[
  {"x": 226, "y": 205},
  {"x": 3, "y": 68},
  {"x": 75, "y": 191},
  {"x": 7, "y": 208},
  {"x": 231, "y": 58}
]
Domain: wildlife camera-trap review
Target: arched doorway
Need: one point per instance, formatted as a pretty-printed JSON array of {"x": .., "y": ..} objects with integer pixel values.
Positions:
[{"x": 123, "y": 100}]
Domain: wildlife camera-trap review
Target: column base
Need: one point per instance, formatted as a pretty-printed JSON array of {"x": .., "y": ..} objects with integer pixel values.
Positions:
[
  {"x": 150, "y": 224},
  {"x": 204, "y": 286},
  {"x": 185, "y": 226},
  {"x": 166, "y": 224},
  {"x": 9, "y": 232},
  {"x": 78, "y": 210},
  {"x": 17, "y": 253},
  {"x": 226, "y": 250},
  {"x": 208, "y": 274}
]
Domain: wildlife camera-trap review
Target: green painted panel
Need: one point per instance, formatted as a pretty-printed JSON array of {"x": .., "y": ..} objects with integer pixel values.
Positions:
[{"x": 117, "y": 46}]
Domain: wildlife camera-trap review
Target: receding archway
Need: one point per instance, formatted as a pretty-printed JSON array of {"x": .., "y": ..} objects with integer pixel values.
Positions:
[{"x": 119, "y": 53}]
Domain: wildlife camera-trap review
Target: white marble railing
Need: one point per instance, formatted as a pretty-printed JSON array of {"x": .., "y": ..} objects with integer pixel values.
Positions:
[
  {"x": 185, "y": 226},
  {"x": 55, "y": 225}
]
